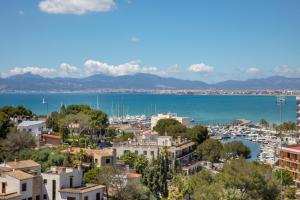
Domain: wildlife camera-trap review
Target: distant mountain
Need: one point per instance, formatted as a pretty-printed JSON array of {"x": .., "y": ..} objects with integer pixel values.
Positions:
[{"x": 30, "y": 82}]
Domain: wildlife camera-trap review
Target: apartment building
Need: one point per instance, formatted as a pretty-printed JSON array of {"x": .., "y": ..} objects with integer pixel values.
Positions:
[
  {"x": 184, "y": 120},
  {"x": 20, "y": 180},
  {"x": 289, "y": 158},
  {"x": 95, "y": 157}
]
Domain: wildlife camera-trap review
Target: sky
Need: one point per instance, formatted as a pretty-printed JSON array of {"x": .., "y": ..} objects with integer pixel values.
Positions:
[{"x": 207, "y": 40}]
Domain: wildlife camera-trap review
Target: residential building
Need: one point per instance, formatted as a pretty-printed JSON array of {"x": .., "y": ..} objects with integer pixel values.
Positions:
[
  {"x": 62, "y": 183},
  {"x": 95, "y": 157},
  {"x": 52, "y": 140},
  {"x": 20, "y": 180},
  {"x": 34, "y": 127},
  {"x": 289, "y": 158},
  {"x": 298, "y": 112},
  {"x": 180, "y": 150},
  {"x": 184, "y": 120}
]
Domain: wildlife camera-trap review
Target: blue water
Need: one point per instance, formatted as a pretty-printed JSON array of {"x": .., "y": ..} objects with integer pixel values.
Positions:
[
  {"x": 209, "y": 109},
  {"x": 253, "y": 146}
]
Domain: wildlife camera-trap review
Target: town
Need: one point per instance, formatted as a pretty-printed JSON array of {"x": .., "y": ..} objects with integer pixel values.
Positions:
[{"x": 79, "y": 153}]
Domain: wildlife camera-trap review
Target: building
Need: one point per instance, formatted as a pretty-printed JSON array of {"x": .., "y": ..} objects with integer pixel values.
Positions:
[
  {"x": 34, "y": 127},
  {"x": 95, "y": 157},
  {"x": 52, "y": 140},
  {"x": 181, "y": 150},
  {"x": 184, "y": 120},
  {"x": 62, "y": 183},
  {"x": 23, "y": 180},
  {"x": 298, "y": 112},
  {"x": 20, "y": 180},
  {"x": 289, "y": 158}
]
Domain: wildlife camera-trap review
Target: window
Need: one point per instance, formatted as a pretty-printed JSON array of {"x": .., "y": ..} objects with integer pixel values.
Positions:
[
  {"x": 37, "y": 197},
  {"x": 71, "y": 198},
  {"x": 3, "y": 187},
  {"x": 71, "y": 181},
  {"x": 96, "y": 161},
  {"x": 107, "y": 160},
  {"x": 45, "y": 196},
  {"x": 53, "y": 189},
  {"x": 152, "y": 153},
  {"x": 86, "y": 198},
  {"x": 97, "y": 196},
  {"x": 45, "y": 181},
  {"x": 136, "y": 152},
  {"x": 29, "y": 198},
  {"x": 24, "y": 187},
  {"x": 145, "y": 153}
]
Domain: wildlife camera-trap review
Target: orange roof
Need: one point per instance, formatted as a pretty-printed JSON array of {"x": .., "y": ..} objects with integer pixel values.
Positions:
[
  {"x": 91, "y": 152},
  {"x": 296, "y": 146},
  {"x": 22, "y": 164},
  {"x": 52, "y": 136},
  {"x": 131, "y": 175},
  {"x": 20, "y": 175}
]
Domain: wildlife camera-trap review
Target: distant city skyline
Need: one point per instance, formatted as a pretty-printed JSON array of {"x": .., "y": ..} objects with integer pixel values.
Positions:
[{"x": 205, "y": 40}]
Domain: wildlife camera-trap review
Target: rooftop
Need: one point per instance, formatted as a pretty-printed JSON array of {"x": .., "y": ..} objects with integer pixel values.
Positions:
[
  {"x": 11, "y": 195},
  {"x": 91, "y": 152},
  {"x": 81, "y": 190},
  {"x": 20, "y": 175},
  {"x": 296, "y": 146},
  {"x": 30, "y": 123},
  {"x": 21, "y": 164}
]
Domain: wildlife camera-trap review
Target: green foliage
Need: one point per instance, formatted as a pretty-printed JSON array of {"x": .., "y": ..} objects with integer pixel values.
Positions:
[
  {"x": 252, "y": 179},
  {"x": 135, "y": 190},
  {"x": 18, "y": 111},
  {"x": 48, "y": 157},
  {"x": 287, "y": 178},
  {"x": 129, "y": 158},
  {"x": 210, "y": 150},
  {"x": 157, "y": 174},
  {"x": 264, "y": 123},
  {"x": 140, "y": 163},
  {"x": 124, "y": 137},
  {"x": 75, "y": 109},
  {"x": 52, "y": 121},
  {"x": 236, "y": 149},
  {"x": 14, "y": 143},
  {"x": 163, "y": 124},
  {"x": 286, "y": 126},
  {"x": 64, "y": 131},
  {"x": 197, "y": 134},
  {"x": 26, "y": 154},
  {"x": 99, "y": 119},
  {"x": 290, "y": 193},
  {"x": 4, "y": 124}
]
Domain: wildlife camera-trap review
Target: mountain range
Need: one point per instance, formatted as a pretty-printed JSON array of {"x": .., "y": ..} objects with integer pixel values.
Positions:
[{"x": 31, "y": 82}]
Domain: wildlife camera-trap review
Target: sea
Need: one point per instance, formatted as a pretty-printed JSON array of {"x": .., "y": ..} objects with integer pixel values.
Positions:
[{"x": 203, "y": 109}]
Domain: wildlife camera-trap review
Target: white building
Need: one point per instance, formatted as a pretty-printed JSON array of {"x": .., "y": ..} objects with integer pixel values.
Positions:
[
  {"x": 150, "y": 145},
  {"x": 298, "y": 112},
  {"x": 20, "y": 180},
  {"x": 34, "y": 127},
  {"x": 62, "y": 183},
  {"x": 184, "y": 120}
]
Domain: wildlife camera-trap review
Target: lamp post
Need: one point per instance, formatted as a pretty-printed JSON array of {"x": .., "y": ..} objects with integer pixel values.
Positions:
[{"x": 280, "y": 102}]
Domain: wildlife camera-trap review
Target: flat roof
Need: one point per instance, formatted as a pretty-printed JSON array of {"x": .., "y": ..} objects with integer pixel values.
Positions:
[
  {"x": 20, "y": 175},
  {"x": 30, "y": 123},
  {"x": 80, "y": 190}
]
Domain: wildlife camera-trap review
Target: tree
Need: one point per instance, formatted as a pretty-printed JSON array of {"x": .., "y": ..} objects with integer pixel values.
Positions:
[
  {"x": 236, "y": 149},
  {"x": 176, "y": 130},
  {"x": 290, "y": 193},
  {"x": 64, "y": 131},
  {"x": 197, "y": 134},
  {"x": 52, "y": 121},
  {"x": 210, "y": 150},
  {"x": 99, "y": 120},
  {"x": 124, "y": 137},
  {"x": 264, "y": 123},
  {"x": 162, "y": 125},
  {"x": 129, "y": 158},
  {"x": 4, "y": 124},
  {"x": 140, "y": 163},
  {"x": 135, "y": 190},
  {"x": 287, "y": 178},
  {"x": 251, "y": 179},
  {"x": 75, "y": 109}
]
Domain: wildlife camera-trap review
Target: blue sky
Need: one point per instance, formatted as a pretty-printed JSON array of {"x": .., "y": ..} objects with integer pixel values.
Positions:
[{"x": 209, "y": 40}]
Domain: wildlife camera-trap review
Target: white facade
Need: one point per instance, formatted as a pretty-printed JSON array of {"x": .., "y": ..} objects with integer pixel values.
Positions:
[
  {"x": 62, "y": 183},
  {"x": 298, "y": 111},
  {"x": 34, "y": 127},
  {"x": 184, "y": 120}
]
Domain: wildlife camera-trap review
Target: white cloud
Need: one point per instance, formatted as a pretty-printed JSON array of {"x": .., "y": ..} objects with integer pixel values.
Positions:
[
  {"x": 43, "y": 71},
  {"x": 66, "y": 69},
  {"x": 252, "y": 70},
  {"x": 201, "y": 68},
  {"x": 285, "y": 70},
  {"x": 133, "y": 67},
  {"x": 173, "y": 68},
  {"x": 21, "y": 12},
  {"x": 77, "y": 7},
  {"x": 134, "y": 39}
]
